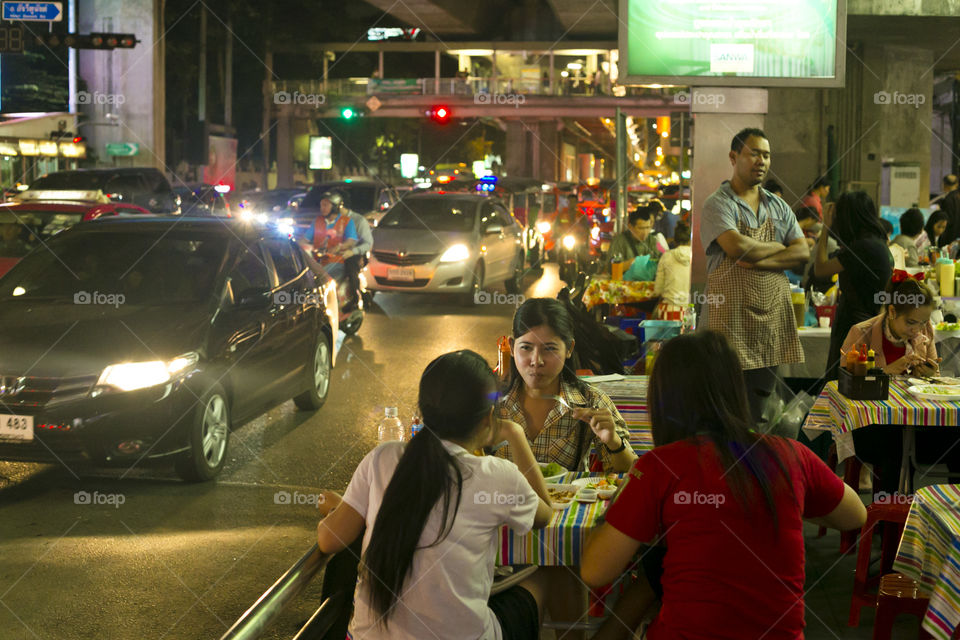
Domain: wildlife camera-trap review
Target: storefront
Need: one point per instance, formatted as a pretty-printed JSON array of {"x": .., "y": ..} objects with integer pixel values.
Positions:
[{"x": 28, "y": 148}]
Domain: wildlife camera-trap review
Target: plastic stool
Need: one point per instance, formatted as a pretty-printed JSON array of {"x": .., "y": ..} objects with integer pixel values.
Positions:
[
  {"x": 898, "y": 594},
  {"x": 895, "y": 514}
]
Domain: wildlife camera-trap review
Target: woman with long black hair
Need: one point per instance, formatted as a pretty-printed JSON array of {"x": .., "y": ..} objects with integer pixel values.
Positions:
[
  {"x": 727, "y": 502},
  {"x": 864, "y": 265},
  {"x": 432, "y": 512}
]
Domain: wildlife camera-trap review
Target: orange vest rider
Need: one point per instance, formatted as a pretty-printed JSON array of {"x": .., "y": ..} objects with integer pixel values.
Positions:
[{"x": 327, "y": 236}]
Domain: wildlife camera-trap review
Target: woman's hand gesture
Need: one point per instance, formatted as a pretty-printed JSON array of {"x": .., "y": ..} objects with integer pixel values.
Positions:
[
  {"x": 904, "y": 364},
  {"x": 602, "y": 424}
]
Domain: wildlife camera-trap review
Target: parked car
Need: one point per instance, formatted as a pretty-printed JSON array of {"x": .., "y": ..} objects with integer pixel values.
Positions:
[
  {"x": 143, "y": 186},
  {"x": 266, "y": 205},
  {"x": 446, "y": 243},
  {"x": 203, "y": 200},
  {"x": 134, "y": 341},
  {"x": 368, "y": 197},
  {"x": 25, "y": 226}
]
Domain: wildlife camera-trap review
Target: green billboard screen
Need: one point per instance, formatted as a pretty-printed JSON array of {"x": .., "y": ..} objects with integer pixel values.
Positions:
[{"x": 746, "y": 43}]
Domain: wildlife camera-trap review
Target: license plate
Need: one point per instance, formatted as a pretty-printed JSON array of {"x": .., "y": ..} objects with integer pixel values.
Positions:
[
  {"x": 406, "y": 275},
  {"x": 16, "y": 427}
]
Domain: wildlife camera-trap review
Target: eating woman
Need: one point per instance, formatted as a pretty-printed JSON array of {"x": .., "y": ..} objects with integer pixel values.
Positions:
[{"x": 562, "y": 416}]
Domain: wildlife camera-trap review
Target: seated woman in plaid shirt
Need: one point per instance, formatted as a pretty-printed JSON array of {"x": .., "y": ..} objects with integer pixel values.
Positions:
[{"x": 542, "y": 344}]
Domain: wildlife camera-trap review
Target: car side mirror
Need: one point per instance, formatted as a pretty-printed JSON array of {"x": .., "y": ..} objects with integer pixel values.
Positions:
[{"x": 493, "y": 229}]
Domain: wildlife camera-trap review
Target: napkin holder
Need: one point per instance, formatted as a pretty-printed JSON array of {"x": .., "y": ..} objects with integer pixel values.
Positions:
[{"x": 875, "y": 386}]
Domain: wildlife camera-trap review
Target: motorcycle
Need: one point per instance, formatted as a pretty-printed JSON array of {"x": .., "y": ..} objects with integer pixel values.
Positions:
[
  {"x": 576, "y": 253},
  {"x": 352, "y": 310}
]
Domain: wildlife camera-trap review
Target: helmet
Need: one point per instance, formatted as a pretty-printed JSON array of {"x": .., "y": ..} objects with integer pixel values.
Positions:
[{"x": 335, "y": 197}]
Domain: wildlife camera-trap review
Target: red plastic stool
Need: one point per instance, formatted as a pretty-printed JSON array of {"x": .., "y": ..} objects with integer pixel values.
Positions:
[
  {"x": 851, "y": 476},
  {"x": 894, "y": 513},
  {"x": 898, "y": 594}
]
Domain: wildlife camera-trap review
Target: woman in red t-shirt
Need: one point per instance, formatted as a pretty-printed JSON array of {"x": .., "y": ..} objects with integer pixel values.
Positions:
[{"x": 727, "y": 503}]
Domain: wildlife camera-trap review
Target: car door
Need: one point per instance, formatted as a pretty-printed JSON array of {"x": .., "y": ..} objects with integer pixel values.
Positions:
[
  {"x": 492, "y": 238},
  {"x": 511, "y": 238},
  {"x": 293, "y": 315}
]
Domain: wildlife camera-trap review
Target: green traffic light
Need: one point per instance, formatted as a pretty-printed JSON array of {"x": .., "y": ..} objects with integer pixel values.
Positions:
[{"x": 347, "y": 113}]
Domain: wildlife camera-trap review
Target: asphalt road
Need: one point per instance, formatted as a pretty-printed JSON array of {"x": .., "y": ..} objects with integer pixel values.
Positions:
[{"x": 99, "y": 554}]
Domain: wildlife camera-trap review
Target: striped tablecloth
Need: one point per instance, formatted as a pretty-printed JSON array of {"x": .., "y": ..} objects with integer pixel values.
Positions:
[
  {"x": 930, "y": 554},
  {"x": 630, "y": 397},
  {"x": 560, "y": 543},
  {"x": 840, "y": 415}
]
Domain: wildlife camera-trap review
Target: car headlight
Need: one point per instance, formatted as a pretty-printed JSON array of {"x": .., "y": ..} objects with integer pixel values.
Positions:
[
  {"x": 285, "y": 226},
  {"x": 606, "y": 212},
  {"x": 543, "y": 226},
  {"x": 569, "y": 242},
  {"x": 595, "y": 233},
  {"x": 129, "y": 376},
  {"x": 455, "y": 253}
]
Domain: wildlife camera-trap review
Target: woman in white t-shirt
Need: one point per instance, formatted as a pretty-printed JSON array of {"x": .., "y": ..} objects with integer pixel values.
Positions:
[{"x": 432, "y": 512}]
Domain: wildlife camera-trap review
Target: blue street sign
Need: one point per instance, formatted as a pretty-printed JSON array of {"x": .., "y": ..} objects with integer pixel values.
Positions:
[{"x": 33, "y": 11}]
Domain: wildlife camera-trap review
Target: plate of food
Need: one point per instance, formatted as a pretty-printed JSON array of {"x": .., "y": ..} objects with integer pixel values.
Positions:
[
  {"x": 948, "y": 326},
  {"x": 940, "y": 380},
  {"x": 605, "y": 486},
  {"x": 935, "y": 391},
  {"x": 562, "y": 495},
  {"x": 552, "y": 472}
]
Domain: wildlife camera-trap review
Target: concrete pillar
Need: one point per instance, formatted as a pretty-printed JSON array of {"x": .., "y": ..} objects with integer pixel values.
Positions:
[
  {"x": 284, "y": 148},
  {"x": 719, "y": 113},
  {"x": 516, "y": 157},
  {"x": 548, "y": 168}
]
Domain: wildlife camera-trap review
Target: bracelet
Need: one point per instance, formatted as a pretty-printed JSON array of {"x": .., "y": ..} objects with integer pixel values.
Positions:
[{"x": 623, "y": 445}]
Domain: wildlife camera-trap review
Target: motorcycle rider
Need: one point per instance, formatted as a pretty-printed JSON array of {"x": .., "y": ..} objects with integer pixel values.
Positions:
[{"x": 332, "y": 235}]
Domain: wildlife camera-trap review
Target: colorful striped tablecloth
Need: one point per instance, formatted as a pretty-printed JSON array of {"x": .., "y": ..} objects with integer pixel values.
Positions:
[
  {"x": 930, "y": 554},
  {"x": 629, "y": 394},
  {"x": 840, "y": 415},
  {"x": 560, "y": 543}
]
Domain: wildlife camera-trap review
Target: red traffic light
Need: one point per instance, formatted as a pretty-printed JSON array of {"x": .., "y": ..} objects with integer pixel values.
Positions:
[
  {"x": 439, "y": 113},
  {"x": 77, "y": 139}
]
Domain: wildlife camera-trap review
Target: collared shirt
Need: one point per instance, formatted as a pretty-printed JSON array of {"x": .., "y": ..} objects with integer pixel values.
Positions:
[
  {"x": 365, "y": 236},
  {"x": 628, "y": 247},
  {"x": 723, "y": 208},
  {"x": 563, "y": 435}
]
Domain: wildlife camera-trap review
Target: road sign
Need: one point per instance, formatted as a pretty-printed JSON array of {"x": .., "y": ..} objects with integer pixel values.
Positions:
[
  {"x": 122, "y": 148},
  {"x": 373, "y": 104},
  {"x": 33, "y": 11}
]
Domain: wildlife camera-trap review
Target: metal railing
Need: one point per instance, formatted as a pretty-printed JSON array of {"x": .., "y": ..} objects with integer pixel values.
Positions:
[{"x": 274, "y": 600}]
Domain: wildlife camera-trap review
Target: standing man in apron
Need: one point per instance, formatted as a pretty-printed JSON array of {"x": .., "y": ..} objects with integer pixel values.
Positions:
[{"x": 751, "y": 237}]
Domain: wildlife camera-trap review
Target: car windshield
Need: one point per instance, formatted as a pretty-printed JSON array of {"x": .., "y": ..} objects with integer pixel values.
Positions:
[
  {"x": 433, "y": 214},
  {"x": 152, "y": 267},
  {"x": 360, "y": 197},
  {"x": 28, "y": 229}
]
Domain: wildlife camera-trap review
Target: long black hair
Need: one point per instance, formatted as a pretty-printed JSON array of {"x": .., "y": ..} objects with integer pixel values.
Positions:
[
  {"x": 935, "y": 217},
  {"x": 856, "y": 217},
  {"x": 697, "y": 390},
  {"x": 457, "y": 391},
  {"x": 536, "y": 312}
]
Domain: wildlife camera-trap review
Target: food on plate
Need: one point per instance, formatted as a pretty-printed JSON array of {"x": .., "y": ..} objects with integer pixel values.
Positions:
[
  {"x": 561, "y": 495},
  {"x": 936, "y": 390},
  {"x": 551, "y": 469},
  {"x": 948, "y": 326}
]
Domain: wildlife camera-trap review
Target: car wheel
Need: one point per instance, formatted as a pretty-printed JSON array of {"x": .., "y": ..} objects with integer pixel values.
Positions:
[
  {"x": 209, "y": 436},
  {"x": 514, "y": 282},
  {"x": 469, "y": 297},
  {"x": 319, "y": 370}
]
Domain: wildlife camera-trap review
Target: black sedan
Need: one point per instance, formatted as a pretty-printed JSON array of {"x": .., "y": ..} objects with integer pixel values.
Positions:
[{"x": 133, "y": 341}]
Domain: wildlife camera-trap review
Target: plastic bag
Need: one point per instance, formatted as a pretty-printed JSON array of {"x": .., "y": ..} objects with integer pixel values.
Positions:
[
  {"x": 786, "y": 411},
  {"x": 643, "y": 269}
]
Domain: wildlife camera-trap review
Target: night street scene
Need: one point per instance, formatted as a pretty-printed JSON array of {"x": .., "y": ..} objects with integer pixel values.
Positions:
[{"x": 504, "y": 320}]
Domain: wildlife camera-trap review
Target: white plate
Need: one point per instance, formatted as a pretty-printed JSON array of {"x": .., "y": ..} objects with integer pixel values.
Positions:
[
  {"x": 940, "y": 380},
  {"x": 16, "y": 427},
  {"x": 571, "y": 488},
  {"x": 939, "y": 392}
]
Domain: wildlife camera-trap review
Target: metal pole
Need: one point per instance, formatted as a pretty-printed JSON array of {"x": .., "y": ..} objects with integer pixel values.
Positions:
[
  {"x": 267, "y": 111},
  {"x": 228, "y": 72},
  {"x": 436, "y": 71},
  {"x": 621, "y": 164},
  {"x": 202, "y": 80}
]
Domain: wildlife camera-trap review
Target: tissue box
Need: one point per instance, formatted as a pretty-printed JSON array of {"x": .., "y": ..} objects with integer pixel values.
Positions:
[{"x": 869, "y": 387}]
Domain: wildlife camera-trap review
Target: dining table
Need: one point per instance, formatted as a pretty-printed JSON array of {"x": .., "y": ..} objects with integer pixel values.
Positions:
[
  {"x": 929, "y": 553},
  {"x": 561, "y": 542},
  {"x": 841, "y": 416}
]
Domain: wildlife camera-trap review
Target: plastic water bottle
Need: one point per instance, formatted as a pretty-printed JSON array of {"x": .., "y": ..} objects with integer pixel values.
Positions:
[
  {"x": 390, "y": 427},
  {"x": 415, "y": 426}
]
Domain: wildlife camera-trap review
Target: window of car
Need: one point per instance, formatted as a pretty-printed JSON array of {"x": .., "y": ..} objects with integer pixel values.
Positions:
[
  {"x": 283, "y": 260},
  {"x": 432, "y": 214},
  {"x": 250, "y": 272},
  {"x": 128, "y": 185},
  {"x": 506, "y": 219}
]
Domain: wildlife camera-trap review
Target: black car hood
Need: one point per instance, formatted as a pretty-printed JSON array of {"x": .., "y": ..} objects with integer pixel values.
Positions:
[{"x": 54, "y": 339}]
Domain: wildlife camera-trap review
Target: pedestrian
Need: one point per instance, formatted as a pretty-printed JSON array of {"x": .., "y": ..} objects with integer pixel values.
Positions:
[
  {"x": 715, "y": 510},
  {"x": 911, "y": 226},
  {"x": 950, "y": 184},
  {"x": 816, "y": 194},
  {"x": 672, "y": 283},
  {"x": 637, "y": 239},
  {"x": 429, "y": 527},
  {"x": 864, "y": 265},
  {"x": 950, "y": 205},
  {"x": 933, "y": 230},
  {"x": 750, "y": 239}
]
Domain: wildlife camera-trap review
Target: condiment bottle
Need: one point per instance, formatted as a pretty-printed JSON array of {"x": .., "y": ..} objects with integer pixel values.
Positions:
[
  {"x": 861, "y": 368},
  {"x": 946, "y": 272},
  {"x": 851, "y": 362},
  {"x": 871, "y": 362},
  {"x": 503, "y": 357}
]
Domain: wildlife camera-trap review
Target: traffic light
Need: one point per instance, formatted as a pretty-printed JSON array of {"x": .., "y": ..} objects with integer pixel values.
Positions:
[
  {"x": 102, "y": 41},
  {"x": 439, "y": 113},
  {"x": 347, "y": 113}
]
